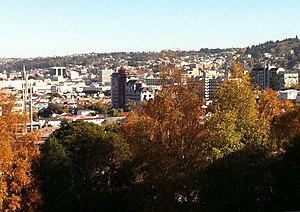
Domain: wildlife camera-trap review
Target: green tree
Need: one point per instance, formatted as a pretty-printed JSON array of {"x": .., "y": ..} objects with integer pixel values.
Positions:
[
  {"x": 99, "y": 107},
  {"x": 51, "y": 109},
  {"x": 115, "y": 112},
  {"x": 82, "y": 168},
  {"x": 55, "y": 173},
  {"x": 240, "y": 181},
  {"x": 288, "y": 182}
]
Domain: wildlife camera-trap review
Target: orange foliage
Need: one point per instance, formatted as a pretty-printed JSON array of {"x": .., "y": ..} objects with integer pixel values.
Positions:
[
  {"x": 18, "y": 187},
  {"x": 273, "y": 113},
  {"x": 167, "y": 134},
  {"x": 272, "y": 107},
  {"x": 286, "y": 127}
]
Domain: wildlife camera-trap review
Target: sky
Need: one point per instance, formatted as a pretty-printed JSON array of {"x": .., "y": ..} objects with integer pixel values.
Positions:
[{"x": 33, "y": 28}]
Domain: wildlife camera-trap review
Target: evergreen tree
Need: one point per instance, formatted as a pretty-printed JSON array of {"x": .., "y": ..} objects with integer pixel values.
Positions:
[{"x": 82, "y": 168}]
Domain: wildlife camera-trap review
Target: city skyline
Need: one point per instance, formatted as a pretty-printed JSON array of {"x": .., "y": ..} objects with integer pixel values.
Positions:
[{"x": 49, "y": 28}]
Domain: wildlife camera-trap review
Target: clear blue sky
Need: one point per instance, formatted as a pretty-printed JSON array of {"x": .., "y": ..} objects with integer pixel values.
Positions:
[{"x": 31, "y": 28}]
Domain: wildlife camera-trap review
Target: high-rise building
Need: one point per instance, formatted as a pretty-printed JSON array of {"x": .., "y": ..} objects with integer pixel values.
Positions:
[
  {"x": 260, "y": 77},
  {"x": 210, "y": 87},
  {"x": 127, "y": 91},
  {"x": 210, "y": 82},
  {"x": 118, "y": 87}
]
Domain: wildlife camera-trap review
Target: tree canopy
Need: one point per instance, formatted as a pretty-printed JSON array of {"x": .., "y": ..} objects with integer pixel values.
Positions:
[
  {"x": 84, "y": 166},
  {"x": 19, "y": 188}
]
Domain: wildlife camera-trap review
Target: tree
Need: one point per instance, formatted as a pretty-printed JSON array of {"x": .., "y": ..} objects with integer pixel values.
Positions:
[
  {"x": 52, "y": 96},
  {"x": 82, "y": 168},
  {"x": 113, "y": 112},
  {"x": 19, "y": 189},
  {"x": 286, "y": 127},
  {"x": 99, "y": 107},
  {"x": 240, "y": 181},
  {"x": 270, "y": 111},
  {"x": 51, "y": 109},
  {"x": 55, "y": 173},
  {"x": 167, "y": 139},
  {"x": 235, "y": 119},
  {"x": 289, "y": 177}
]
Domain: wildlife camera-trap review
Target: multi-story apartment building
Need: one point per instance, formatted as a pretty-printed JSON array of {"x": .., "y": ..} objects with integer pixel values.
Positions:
[
  {"x": 260, "y": 77},
  {"x": 118, "y": 83},
  {"x": 265, "y": 77},
  {"x": 138, "y": 90},
  {"x": 272, "y": 77},
  {"x": 210, "y": 82},
  {"x": 210, "y": 86}
]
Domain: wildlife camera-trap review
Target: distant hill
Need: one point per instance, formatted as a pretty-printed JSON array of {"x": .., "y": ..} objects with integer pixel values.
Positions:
[
  {"x": 285, "y": 53},
  {"x": 276, "y": 48}
]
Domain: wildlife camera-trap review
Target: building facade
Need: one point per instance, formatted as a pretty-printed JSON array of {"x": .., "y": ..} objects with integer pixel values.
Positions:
[
  {"x": 118, "y": 86},
  {"x": 126, "y": 91}
]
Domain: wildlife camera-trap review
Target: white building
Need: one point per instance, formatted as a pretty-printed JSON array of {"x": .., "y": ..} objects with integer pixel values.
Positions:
[
  {"x": 73, "y": 75},
  {"x": 287, "y": 79},
  {"x": 58, "y": 73},
  {"x": 104, "y": 76},
  {"x": 85, "y": 112},
  {"x": 290, "y": 94},
  {"x": 138, "y": 91},
  {"x": 211, "y": 81},
  {"x": 16, "y": 84}
]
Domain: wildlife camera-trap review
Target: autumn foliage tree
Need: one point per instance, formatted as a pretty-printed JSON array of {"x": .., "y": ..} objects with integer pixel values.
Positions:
[
  {"x": 166, "y": 136},
  {"x": 18, "y": 187},
  {"x": 235, "y": 120},
  {"x": 286, "y": 127},
  {"x": 272, "y": 112}
]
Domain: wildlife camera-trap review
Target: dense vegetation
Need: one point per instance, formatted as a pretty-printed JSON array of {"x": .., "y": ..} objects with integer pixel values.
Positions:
[
  {"x": 285, "y": 53},
  {"x": 173, "y": 154}
]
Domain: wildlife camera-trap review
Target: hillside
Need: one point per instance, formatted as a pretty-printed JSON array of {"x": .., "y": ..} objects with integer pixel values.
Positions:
[{"x": 285, "y": 53}]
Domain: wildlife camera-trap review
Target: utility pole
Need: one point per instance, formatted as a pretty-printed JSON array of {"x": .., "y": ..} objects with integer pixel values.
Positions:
[
  {"x": 31, "y": 112},
  {"x": 24, "y": 88},
  {"x": 24, "y": 94},
  {"x": 27, "y": 100}
]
